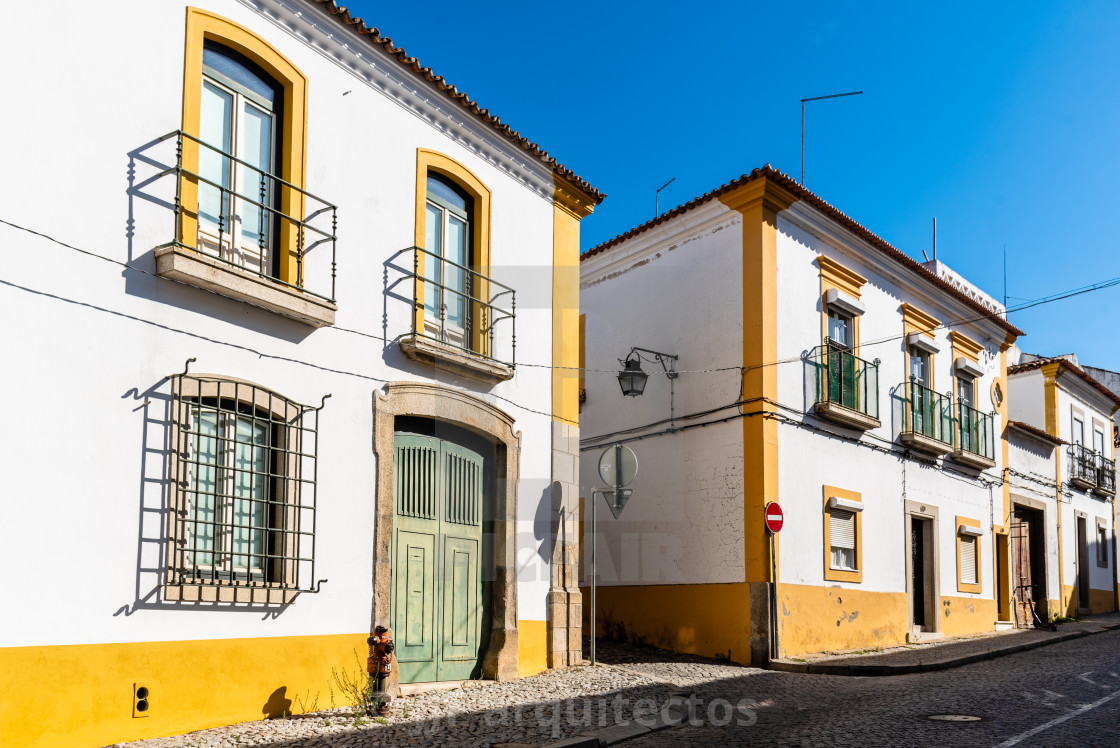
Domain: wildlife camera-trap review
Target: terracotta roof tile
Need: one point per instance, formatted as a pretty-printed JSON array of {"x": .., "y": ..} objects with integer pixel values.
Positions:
[
  {"x": 1040, "y": 362},
  {"x": 374, "y": 37},
  {"x": 851, "y": 224},
  {"x": 1039, "y": 433}
]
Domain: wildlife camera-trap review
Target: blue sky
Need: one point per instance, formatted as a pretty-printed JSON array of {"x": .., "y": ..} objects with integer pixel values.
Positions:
[{"x": 1001, "y": 120}]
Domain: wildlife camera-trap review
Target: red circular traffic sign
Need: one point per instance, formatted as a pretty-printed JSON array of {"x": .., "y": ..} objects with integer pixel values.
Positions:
[{"x": 774, "y": 517}]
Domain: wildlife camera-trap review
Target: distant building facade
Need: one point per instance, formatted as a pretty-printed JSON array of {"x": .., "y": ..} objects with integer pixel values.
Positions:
[{"x": 819, "y": 368}]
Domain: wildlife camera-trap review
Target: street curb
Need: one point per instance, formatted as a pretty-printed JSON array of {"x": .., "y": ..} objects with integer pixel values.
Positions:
[
  {"x": 618, "y": 733},
  {"x": 823, "y": 668}
]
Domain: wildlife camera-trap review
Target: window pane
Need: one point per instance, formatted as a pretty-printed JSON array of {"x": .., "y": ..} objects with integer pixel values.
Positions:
[
  {"x": 446, "y": 194},
  {"x": 433, "y": 241},
  {"x": 217, "y": 131},
  {"x": 456, "y": 278},
  {"x": 236, "y": 75},
  {"x": 256, "y": 150},
  {"x": 839, "y": 329},
  {"x": 250, "y": 493},
  {"x": 203, "y": 480}
]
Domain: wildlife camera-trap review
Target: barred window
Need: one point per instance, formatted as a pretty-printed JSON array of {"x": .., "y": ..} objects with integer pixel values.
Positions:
[{"x": 244, "y": 493}]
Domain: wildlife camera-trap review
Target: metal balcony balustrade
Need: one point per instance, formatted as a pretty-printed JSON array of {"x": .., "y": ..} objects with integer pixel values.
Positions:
[
  {"x": 1090, "y": 469},
  {"x": 486, "y": 305},
  {"x": 263, "y": 192},
  {"x": 846, "y": 380},
  {"x": 927, "y": 413},
  {"x": 976, "y": 431}
]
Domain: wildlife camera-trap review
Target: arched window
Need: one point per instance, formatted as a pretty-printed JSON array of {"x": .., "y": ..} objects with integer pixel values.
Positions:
[
  {"x": 239, "y": 126},
  {"x": 447, "y": 238}
]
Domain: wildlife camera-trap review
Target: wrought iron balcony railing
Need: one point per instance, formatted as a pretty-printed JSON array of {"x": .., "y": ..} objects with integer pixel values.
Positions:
[
  {"x": 976, "y": 432},
  {"x": 845, "y": 379},
  {"x": 249, "y": 218},
  {"x": 928, "y": 413},
  {"x": 1090, "y": 469},
  {"x": 457, "y": 306}
]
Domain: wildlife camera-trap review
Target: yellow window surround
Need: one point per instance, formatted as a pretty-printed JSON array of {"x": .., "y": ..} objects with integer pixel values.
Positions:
[
  {"x": 914, "y": 320},
  {"x": 965, "y": 346},
  {"x": 432, "y": 162},
  {"x": 835, "y": 275},
  {"x": 962, "y": 586},
  {"x": 202, "y": 26},
  {"x": 839, "y": 575}
]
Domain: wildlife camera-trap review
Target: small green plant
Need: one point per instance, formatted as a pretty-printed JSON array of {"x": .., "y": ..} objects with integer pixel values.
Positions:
[
  {"x": 577, "y": 670},
  {"x": 357, "y": 688},
  {"x": 309, "y": 704},
  {"x": 1065, "y": 619},
  {"x": 326, "y": 723},
  {"x": 404, "y": 710},
  {"x": 381, "y": 720}
]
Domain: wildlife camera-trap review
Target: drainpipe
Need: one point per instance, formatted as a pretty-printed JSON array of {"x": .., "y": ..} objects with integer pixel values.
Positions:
[{"x": 1115, "y": 578}]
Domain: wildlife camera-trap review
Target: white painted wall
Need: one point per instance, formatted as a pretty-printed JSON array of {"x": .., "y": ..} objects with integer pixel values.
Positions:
[
  {"x": 676, "y": 289},
  {"x": 813, "y": 453},
  {"x": 1032, "y": 463},
  {"x": 91, "y": 340}
]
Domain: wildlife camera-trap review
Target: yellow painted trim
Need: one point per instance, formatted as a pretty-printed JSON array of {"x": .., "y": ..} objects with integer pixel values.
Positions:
[
  {"x": 759, "y": 201},
  {"x": 700, "y": 619},
  {"x": 839, "y": 575},
  {"x": 569, "y": 207},
  {"x": 1101, "y": 601},
  {"x": 815, "y": 619},
  {"x": 439, "y": 163},
  {"x": 835, "y": 275},
  {"x": 532, "y": 647},
  {"x": 961, "y": 586},
  {"x": 965, "y": 346},
  {"x": 1050, "y": 374},
  {"x": 915, "y": 320},
  {"x": 193, "y": 685},
  {"x": 203, "y": 25},
  {"x": 963, "y": 616},
  {"x": 582, "y": 355}
]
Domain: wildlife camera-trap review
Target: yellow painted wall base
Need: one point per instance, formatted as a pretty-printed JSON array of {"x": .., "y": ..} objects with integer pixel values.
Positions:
[
  {"x": 532, "y": 647},
  {"x": 1067, "y": 606},
  {"x": 823, "y": 619},
  {"x": 961, "y": 616},
  {"x": 1102, "y": 601},
  {"x": 703, "y": 619},
  {"x": 81, "y": 695}
]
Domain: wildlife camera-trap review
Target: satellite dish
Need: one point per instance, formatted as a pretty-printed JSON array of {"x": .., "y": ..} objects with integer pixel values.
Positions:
[{"x": 618, "y": 466}]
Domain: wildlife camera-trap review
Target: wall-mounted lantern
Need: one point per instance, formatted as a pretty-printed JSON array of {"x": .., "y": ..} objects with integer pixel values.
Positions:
[{"x": 632, "y": 379}]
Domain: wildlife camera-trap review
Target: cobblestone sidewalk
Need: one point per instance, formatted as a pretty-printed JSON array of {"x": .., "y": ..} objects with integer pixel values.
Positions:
[{"x": 551, "y": 706}]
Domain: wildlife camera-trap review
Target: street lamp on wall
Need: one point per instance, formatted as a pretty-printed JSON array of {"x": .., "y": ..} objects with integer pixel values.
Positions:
[{"x": 632, "y": 379}]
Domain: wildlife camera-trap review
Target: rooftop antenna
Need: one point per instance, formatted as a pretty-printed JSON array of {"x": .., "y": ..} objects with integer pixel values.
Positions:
[
  {"x": 815, "y": 98},
  {"x": 657, "y": 197},
  {"x": 1005, "y": 279},
  {"x": 935, "y": 239}
]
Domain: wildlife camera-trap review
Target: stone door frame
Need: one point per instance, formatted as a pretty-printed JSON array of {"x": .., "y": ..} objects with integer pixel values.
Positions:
[{"x": 441, "y": 403}]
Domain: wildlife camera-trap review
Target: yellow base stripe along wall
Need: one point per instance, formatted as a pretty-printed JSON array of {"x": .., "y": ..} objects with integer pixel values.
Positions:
[
  {"x": 710, "y": 620},
  {"x": 81, "y": 695},
  {"x": 532, "y": 647},
  {"x": 822, "y": 619}
]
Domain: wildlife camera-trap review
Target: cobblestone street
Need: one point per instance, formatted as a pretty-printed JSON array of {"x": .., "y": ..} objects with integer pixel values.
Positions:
[{"x": 1064, "y": 694}]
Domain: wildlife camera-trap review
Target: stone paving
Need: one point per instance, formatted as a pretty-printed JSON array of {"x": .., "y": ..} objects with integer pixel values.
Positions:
[
  {"x": 540, "y": 709},
  {"x": 949, "y": 649}
]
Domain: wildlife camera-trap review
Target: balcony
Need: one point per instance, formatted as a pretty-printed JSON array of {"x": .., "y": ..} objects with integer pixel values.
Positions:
[
  {"x": 244, "y": 233},
  {"x": 847, "y": 387},
  {"x": 927, "y": 419},
  {"x": 976, "y": 444},
  {"x": 462, "y": 321},
  {"x": 1091, "y": 471}
]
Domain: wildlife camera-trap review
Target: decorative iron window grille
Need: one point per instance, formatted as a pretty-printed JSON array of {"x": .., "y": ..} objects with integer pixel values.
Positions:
[
  {"x": 1090, "y": 469},
  {"x": 245, "y": 466}
]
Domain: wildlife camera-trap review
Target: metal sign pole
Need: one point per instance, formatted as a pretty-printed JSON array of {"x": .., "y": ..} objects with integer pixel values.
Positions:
[
  {"x": 773, "y": 596},
  {"x": 594, "y": 573}
]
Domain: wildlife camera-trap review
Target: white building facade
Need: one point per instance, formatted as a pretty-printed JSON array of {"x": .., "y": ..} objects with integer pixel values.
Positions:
[
  {"x": 1059, "y": 398},
  {"x": 311, "y": 308},
  {"x": 819, "y": 368}
]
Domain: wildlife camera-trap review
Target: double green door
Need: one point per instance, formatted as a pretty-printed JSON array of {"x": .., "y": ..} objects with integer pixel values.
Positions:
[{"x": 438, "y": 602}]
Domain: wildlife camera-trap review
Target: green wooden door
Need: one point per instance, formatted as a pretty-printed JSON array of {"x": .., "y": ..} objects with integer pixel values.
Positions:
[{"x": 438, "y": 603}]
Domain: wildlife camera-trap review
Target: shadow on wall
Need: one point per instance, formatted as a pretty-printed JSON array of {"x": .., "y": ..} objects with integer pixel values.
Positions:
[
  {"x": 277, "y": 705},
  {"x": 154, "y": 512}
]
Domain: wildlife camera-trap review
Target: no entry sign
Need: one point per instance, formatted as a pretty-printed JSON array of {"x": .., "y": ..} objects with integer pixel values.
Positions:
[{"x": 774, "y": 517}]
